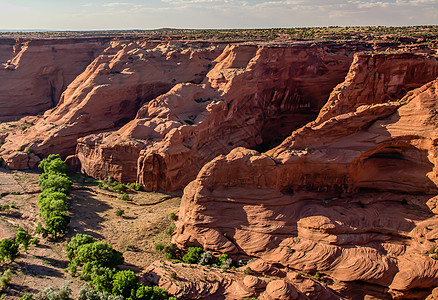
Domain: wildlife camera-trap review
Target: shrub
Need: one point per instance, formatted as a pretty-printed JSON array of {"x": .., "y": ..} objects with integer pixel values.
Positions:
[
  {"x": 125, "y": 283},
  {"x": 26, "y": 297},
  {"x": 23, "y": 238},
  {"x": 173, "y": 217},
  {"x": 124, "y": 197},
  {"x": 119, "y": 212},
  {"x": 8, "y": 250},
  {"x": 170, "y": 229},
  {"x": 88, "y": 293},
  {"x": 159, "y": 246},
  {"x": 5, "y": 207},
  {"x": 5, "y": 279},
  {"x": 225, "y": 262},
  {"x": 170, "y": 251},
  {"x": 57, "y": 182},
  {"x": 76, "y": 241},
  {"x": 206, "y": 258},
  {"x": 58, "y": 225},
  {"x": 135, "y": 186},
  {"x": 52, "y": 293},
  {"x": 156, "y": 293},
  {"x": 119, "y": 188},
  {"x": 317, "y": 276},
  {"x": 193, "y": 255}
]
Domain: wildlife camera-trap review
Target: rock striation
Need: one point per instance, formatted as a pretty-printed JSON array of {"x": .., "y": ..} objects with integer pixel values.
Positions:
[
  {"x": 338, "y": 180},
  {"x": 350, "y": 194},
  {"x": 251, "y": 91},
  {"x": 211, "y": 283},
  {"x": 34, "y": 73},
  {"x": 109, "y": 92}
]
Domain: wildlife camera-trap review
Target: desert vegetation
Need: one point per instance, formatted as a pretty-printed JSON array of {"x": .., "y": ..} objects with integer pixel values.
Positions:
[
  {"x": 52, "y": 202},
  {"x": 426, "y": 33}
]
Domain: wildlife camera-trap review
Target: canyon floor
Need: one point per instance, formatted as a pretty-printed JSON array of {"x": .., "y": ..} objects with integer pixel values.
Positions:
[{"x": 135, "y": 233}]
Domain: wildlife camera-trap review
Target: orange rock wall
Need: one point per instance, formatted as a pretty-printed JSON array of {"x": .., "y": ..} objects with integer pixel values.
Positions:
[{"x": 34, "y": 73}]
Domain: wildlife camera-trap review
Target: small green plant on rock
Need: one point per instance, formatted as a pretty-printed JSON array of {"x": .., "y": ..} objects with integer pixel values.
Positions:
[
  {"x": 124, "y": 197},
  {"x": 173, "y": 217},
  {"x": 193, "y": 255},
  {"x": 119, "y": 212}
]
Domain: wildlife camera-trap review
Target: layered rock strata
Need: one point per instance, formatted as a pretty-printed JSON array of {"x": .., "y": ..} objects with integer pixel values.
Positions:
[
  {"x": 34, "y": 73},
  {"x": 351, "y": 195},
  {"x": 211, "y": 283},
  {"x": 251, "y": 91},
  {"x": 109, "y": 92}
]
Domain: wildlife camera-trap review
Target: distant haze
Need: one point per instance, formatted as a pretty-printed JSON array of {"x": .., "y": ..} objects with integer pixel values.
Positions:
[{"x": 135, "y": 14}]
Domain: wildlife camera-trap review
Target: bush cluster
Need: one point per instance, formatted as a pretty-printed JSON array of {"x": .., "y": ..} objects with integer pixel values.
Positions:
[
  {"x": 9, "y": 248},
  {"x": 52, "y": 202},
  {"x": 118, "y": 187},
  {"x": 196, "y": 255},
  {"x": 99, "y": 266}
]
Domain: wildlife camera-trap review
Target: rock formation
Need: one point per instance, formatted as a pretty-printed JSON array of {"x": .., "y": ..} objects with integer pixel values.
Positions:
[
  {"x": 34, "y": 73},
  {"x": 308, "y": 156},
  {"x": 211, "y": 283},
  {"x": 351, "y": 194},
  {"x": 109, "y": 92},
  {"x": 251, "y": 91}
]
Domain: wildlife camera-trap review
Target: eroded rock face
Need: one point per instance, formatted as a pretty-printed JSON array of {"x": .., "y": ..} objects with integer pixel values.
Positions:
[
  {"x": 251, "y": 91},
  {"x": 351, "y": 195},
  {"x": 110, "y": 91},
  {"x": 34, "y": 73},
  {"x": 212, "y": 283}
]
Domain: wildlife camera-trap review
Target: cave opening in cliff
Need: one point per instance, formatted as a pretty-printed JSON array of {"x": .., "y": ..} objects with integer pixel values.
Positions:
[
  {"x": 280, "y": 126},
  {"x": 289, "y": 110}
]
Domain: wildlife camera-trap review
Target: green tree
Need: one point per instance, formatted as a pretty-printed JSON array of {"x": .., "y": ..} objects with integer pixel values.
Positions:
[
  {"x": 193, "y": 255},
  {"x": 23, "y": 238},
  {"x": 57, "y": 182},
  {"x": 46, "y": 161},
  {"x": 8, "y": 250},
  {"x": 76, "y": 241},
  {"x": 156, "y": 293},
  {"x": 125, "y": 283},
  {"x": 58, "y": 225},
  {"x": 56, "y": 166},
  {"x": 96, "y": 254}
]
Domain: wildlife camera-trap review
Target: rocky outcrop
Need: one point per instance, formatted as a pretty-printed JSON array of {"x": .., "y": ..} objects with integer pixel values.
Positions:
[
  {"x": 350, "y": 195},
  {"x": 375, "y": 79},
  {"x": 251, "y": 91},
  {"x": 182, "y": 280},
  {"x": 34, "y": 73},
  {"x": 109, "y": 92}
]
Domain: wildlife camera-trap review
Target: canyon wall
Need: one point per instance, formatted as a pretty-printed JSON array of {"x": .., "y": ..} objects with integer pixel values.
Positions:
[
  {"x": 108, "y": 94},
  {"x": 250, "y": 86},
  {"x": 34, "y": 73},
  {"x": 351, "y": 195},
  {"x": 311, "y": 156}
]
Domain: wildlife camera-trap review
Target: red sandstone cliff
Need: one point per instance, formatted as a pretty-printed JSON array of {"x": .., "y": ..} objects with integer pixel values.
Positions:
[
  {"x": 34, "y": 73},
  {"x": 324, "y": 199},
  {"x": 351, "y": 194},
  {"x": 251, "y": 91},
  {"x": 108, "y": 93}
]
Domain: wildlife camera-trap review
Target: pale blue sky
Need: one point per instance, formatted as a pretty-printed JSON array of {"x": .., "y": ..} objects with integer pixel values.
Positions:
[{"x": 135, "y": 14}]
